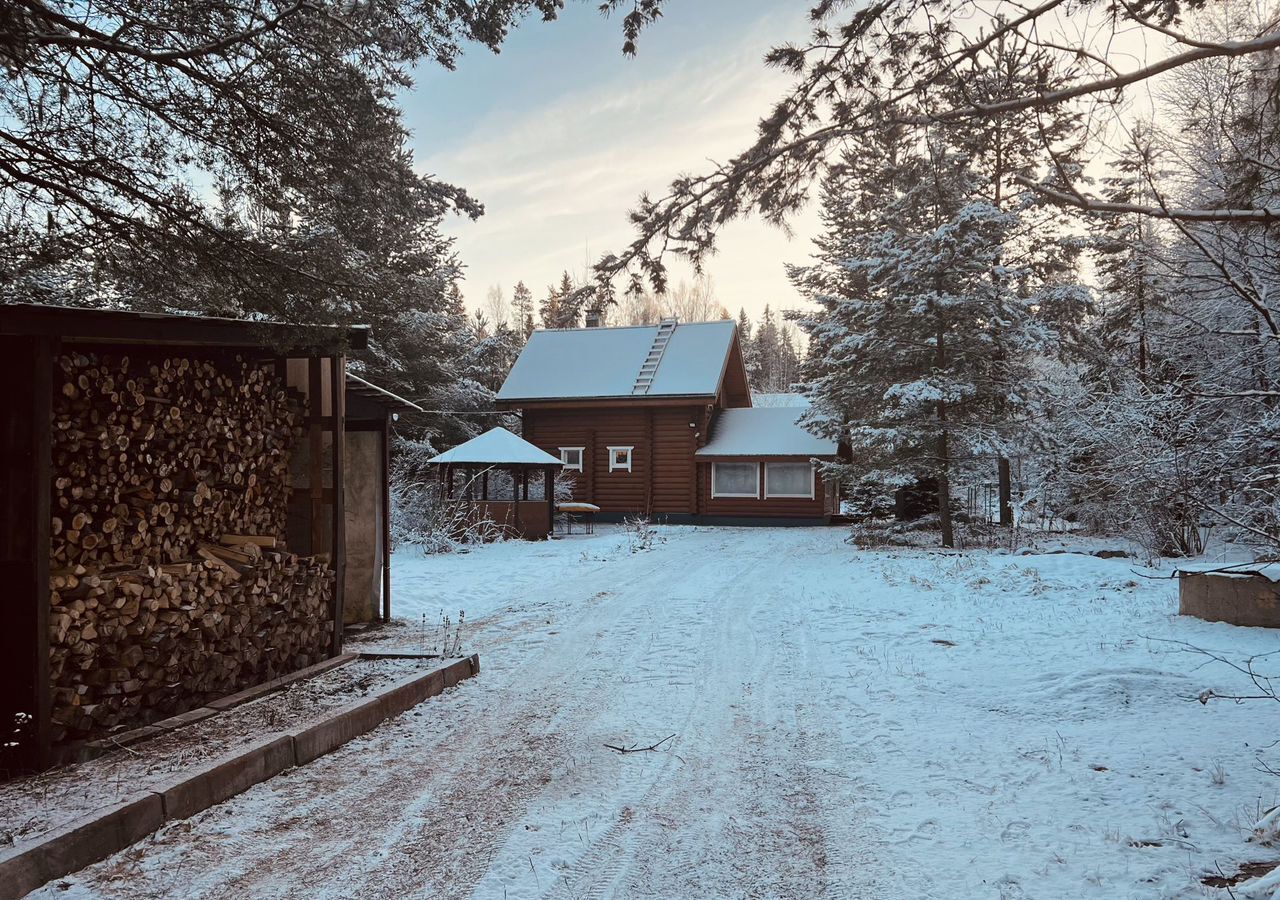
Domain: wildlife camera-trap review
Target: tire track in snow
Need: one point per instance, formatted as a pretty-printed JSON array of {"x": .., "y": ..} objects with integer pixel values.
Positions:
[{"x": 374, "y": 820}]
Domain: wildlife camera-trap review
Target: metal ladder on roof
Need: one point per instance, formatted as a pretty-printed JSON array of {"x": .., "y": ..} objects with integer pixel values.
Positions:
[{"x": 649, "y": 368}]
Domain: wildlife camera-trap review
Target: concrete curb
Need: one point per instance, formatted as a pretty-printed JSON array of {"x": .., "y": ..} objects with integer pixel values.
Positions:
[
  {"x": 267, "y": 687},
  {"x": 221, "y": 779},
  {"x": 80, "y": 843},
  {"x": 109, "y": 830}
]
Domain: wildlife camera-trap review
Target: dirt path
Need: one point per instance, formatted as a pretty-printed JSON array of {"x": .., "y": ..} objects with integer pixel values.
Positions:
[{"x": 504, "y": 787}]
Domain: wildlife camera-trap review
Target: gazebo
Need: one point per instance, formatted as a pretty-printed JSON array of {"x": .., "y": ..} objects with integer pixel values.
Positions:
[{"x": 480, "y": 460}]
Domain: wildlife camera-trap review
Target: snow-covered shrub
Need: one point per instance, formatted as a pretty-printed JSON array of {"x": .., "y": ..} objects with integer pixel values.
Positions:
[
  {"x": 641, "y": 535},
  {"x": 563, "y": 486},
  {"x": 1266, "y": 831},
  {"x": 868, "y": 501},
  {"x": 422, "y": 516},
  {"x": 874, "y": 535},
  {"x": 1131, "y": 461}
]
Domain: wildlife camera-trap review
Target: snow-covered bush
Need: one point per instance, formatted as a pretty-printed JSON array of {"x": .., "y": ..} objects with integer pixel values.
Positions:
[
  {"x": 1134, "y": 461},
  {"x": 563, "y": 486},
  {"x": 641, "y": 535},
  {"x": 422, "y": 516}
]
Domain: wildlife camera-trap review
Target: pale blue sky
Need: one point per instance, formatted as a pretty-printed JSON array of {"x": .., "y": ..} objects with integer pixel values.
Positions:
[{"x": 559, "y": 134}]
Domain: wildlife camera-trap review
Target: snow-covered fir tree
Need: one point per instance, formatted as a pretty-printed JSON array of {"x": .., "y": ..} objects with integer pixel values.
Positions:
[
  {"x": 1127, "y": 249},
  {"x": 560, "y": 307},
  {"x": 919, "y": 344}
]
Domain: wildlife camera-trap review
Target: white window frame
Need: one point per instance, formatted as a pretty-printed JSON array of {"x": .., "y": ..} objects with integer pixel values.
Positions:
[
  {"x": 568, "y": 466},
  {"x": 755, "y": 495},
  {"x": 614, "y": 465},
  {"x": 768, "y": 494}
]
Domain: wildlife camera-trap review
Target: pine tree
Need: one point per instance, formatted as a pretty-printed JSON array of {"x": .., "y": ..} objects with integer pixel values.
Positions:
[{"x": 522, "y": 310}]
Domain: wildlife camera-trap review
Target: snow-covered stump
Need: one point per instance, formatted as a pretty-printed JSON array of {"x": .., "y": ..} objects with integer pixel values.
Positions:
[{"x": 1239, "y": 596}]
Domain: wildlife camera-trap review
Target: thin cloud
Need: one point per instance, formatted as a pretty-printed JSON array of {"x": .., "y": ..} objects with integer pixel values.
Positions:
[{"x": 560, "y": 178}]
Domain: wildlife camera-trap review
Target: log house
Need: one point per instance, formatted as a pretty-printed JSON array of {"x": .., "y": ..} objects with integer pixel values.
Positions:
[{"x": 659, "y": 420}]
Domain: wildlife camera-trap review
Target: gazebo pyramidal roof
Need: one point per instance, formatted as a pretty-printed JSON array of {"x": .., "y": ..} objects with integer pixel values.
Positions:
[{"x": 496, "y": 447}]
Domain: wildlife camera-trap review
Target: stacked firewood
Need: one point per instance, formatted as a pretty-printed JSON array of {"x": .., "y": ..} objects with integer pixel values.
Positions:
[
  {"x": 151, "y": 456},
  {"x": 169, "y": 581}
]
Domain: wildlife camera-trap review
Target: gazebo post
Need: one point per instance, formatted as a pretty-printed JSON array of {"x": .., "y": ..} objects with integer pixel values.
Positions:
[
  {"x": 484, "y": 485},
  {"x": 515, "y": 497},
  {"x": 550, "y": 492}
]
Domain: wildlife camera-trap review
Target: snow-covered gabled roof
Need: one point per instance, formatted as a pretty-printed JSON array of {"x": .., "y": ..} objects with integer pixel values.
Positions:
[
  {"x": 590, "y": 363},
  {"x": 496, "y": 447},
  {"x": 764, "y": 431}
]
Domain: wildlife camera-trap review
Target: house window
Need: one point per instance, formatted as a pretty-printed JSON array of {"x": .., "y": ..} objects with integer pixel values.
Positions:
[
  {"x": 788, "y": 480},
  {"x": 620, "y": 458},
  {"x": 572, "y": 458},
  {"x": 735, "y": 480}
]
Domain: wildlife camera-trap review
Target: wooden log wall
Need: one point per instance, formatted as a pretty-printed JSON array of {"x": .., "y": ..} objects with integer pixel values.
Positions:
[
  {"x": 169, "y": 580},
  {"x": 662, "y": 473}
]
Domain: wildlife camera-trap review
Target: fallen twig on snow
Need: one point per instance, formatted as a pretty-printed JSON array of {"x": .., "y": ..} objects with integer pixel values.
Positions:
[{"x": 638, "y": 749}]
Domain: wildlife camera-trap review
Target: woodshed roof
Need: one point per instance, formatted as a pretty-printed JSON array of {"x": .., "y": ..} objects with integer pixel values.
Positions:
[
  {"x": 381, "y": 396},
  {"x": 119, "y": 326}
]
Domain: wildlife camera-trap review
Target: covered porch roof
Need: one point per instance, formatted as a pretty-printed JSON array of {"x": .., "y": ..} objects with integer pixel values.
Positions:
[{"x": 760, "y": 431}]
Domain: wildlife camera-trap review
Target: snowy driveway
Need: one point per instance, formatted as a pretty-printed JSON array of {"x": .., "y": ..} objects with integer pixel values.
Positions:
[{"x": 878, "y": 725}]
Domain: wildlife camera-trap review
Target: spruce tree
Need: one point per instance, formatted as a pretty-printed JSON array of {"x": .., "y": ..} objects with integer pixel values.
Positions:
[
  {"x": 905, "y": 333},
  {"x": 560, "y": 308},
  {"x": 1127, "y": 250},
  {"x": 766, "y": 348},
  {"x": 1036, "y": 270},
  {"x": 750, "y": 361}
]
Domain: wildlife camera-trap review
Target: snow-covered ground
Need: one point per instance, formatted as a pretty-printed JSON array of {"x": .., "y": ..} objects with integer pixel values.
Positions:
[{"x": 901, "y": 724}]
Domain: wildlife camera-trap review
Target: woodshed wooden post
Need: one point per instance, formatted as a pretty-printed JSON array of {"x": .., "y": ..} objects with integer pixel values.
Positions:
[
  {"x": 41, "y": 441},
  {"x": 386, "y": 518},
  {"x": 337, "y": 371},
  {"x": 315, "y": 443}
]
